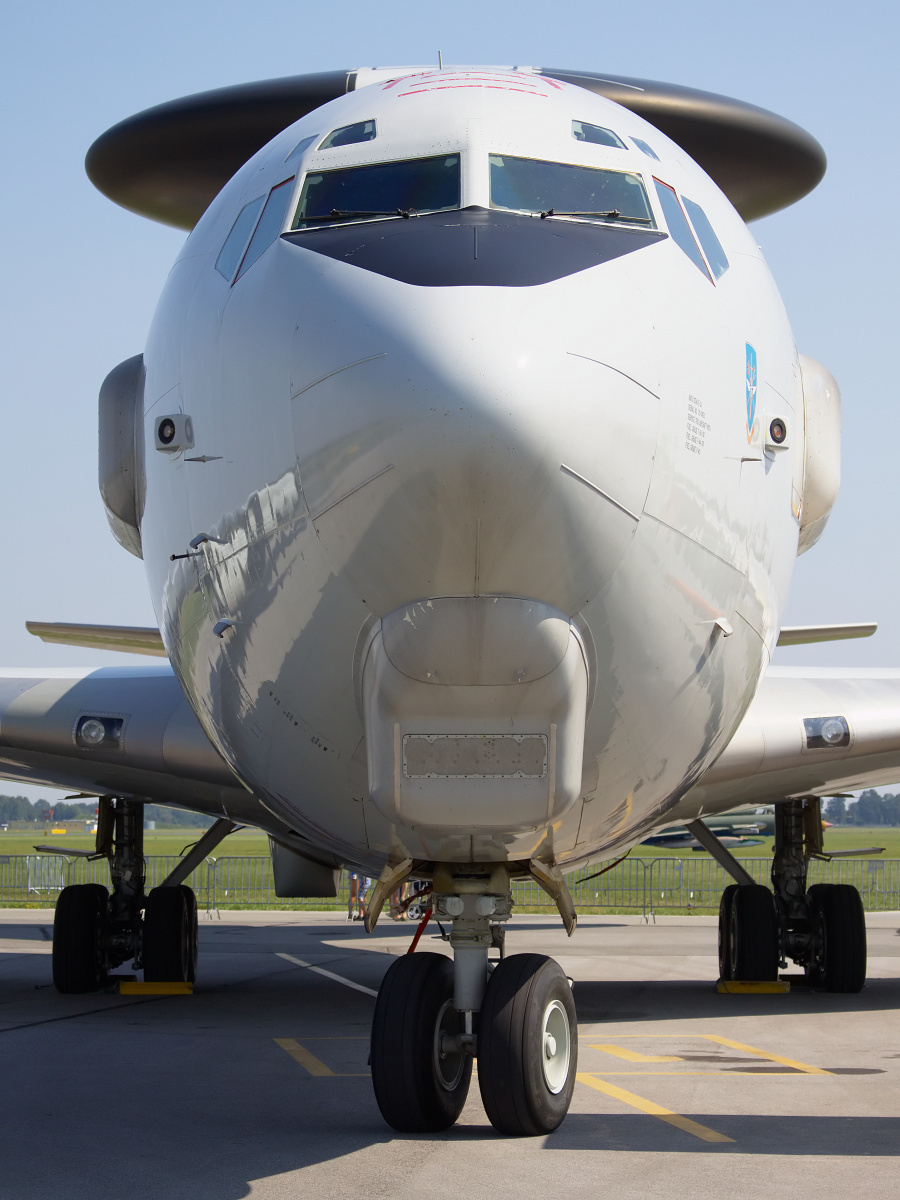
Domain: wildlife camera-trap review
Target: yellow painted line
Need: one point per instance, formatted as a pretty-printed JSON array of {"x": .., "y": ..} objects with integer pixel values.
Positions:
[
  {"x": 708, "y": 1074},
  {"x": 743, "y": 987},
  {"x": 633, "y": 1056},
  {"x": 654, "y": 1110},
  {"x": 776, "y": 1058},
  {"x": 301, "y": 1055},
  {"x": 134, "y": 987}
]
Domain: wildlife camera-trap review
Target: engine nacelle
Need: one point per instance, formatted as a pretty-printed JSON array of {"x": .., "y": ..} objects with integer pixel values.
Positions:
[
  {"x": 121, "y": 458},
  {"x": 822, "y": 450}
]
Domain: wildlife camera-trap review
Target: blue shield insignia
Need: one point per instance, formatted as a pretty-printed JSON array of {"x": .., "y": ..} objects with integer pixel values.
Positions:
[{"x": 751, "y": 390}]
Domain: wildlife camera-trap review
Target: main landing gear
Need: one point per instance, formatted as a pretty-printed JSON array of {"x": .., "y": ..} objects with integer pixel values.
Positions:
[
  {"x": 434, "y": 1015},
  {"x": 822, "y": 928},
  {"x": 96, "y": 930}
]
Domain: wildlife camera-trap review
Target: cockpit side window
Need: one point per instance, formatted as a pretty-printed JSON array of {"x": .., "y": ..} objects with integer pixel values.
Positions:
[
  {"x": 270, "y": 224},
  {"x": 679, "y": 227},
  {"x": 596, "y": 134},
  {"x": 564, "y": 190},
  {"x": 349, "y": 135},
  {"x": 712, "y": 247},
  {"x": 645, "y": 148},
  {"x": 236, "y": 242},
  {"x": 299, "y": 149},
  {"x": 395, "y": 189}
]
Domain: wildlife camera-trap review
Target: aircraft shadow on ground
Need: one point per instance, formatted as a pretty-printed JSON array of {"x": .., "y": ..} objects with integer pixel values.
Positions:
[
  {"x": 752, "y": 1134},
  {"x": 26, "y": 933},
  {"x": 689, "y": 1000}
]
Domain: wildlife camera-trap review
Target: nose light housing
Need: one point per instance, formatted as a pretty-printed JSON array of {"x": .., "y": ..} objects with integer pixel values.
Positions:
[{"x": 174, "y": 433}]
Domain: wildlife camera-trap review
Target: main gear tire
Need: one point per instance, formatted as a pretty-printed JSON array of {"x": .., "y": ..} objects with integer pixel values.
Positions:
[{"x": 79, "y": 939}]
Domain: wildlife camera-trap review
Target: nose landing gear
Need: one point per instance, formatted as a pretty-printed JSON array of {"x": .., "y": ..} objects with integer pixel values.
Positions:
[
  {"x": 433, "y": 1016},
  {"x": 527, "y": 1045}
]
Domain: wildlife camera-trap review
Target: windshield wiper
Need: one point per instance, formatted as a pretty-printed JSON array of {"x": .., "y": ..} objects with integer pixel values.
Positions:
[
  {"x": 612, "y": 214},
  {"x": 337, "y": 214}
]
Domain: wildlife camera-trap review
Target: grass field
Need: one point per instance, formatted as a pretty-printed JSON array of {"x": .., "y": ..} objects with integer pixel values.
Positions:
[
  {"x": 250, "y": 842},
  {"x": 166, "y": 841}
]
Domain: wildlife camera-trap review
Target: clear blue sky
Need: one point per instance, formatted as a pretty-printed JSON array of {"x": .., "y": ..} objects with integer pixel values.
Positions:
[{"x": 81, "y": 277}]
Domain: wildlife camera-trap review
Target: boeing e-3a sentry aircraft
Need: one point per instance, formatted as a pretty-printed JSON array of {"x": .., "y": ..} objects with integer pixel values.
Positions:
[{"x": 469, "y": 456}]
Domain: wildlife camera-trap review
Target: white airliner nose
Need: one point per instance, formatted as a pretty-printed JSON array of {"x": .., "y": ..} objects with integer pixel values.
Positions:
[{"x": 475, "y": 442}]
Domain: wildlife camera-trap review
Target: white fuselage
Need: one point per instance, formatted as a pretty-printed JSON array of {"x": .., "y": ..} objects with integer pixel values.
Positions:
[{"x": 550, "y": 487}]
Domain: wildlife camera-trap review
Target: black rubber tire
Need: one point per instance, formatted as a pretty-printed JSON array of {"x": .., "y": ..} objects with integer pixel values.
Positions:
[
  {"x": 170, "y": 936},
  {"x": 753, "y": 935},
  {"x": 839, "y": 923},
  {"x": 725, "y": 906},
  {"x": 79, "y": 926},
  {"x": 417, "y": 1090},
  {"x": 515, "y": 1091}
]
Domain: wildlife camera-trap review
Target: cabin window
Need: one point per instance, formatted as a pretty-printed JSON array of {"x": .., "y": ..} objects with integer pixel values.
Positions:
[
  {"x": 646, "y": 149},
  {"x": 236, "y": 242},
  {"x": 349, "y": 135},
  {"x": 596, "y": 135},
  {"x": 534, "y": 186},
  {"x": 394, "y": 189},
  {"x": 270, "y": 224},
  {"x": 678, "y": 226},
  {"x": 712, "y": 247}
]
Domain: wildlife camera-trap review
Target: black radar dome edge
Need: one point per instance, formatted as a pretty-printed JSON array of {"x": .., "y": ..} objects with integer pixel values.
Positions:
[{"x": 170, "y": 161}]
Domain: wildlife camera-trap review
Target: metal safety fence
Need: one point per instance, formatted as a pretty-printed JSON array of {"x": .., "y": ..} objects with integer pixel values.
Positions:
[{"x": 642, "y": 885}]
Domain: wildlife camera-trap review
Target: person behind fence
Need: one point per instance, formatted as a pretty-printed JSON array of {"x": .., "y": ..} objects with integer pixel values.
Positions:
[
  {"x": 398, "y": 903},
  {"x": 356, "y": 907}
]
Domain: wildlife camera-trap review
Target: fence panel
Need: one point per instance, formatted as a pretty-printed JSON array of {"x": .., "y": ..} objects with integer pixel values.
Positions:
[{"x": 646, "y": 885}]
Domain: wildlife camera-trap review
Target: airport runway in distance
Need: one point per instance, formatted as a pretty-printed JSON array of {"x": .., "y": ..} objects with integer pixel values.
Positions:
[{"x": 257, "y": 1085}]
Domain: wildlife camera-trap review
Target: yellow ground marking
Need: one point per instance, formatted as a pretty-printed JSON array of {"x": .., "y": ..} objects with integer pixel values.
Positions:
[
  {"x": 654, "y": 1110},
  {"x": 301, "y": 1055},
  {"x": 633, "y": 1056},
  {"x": 135, "y": 987},
  {"x": 776, "y": 1058},
  {"x": 743, "y": 987}
]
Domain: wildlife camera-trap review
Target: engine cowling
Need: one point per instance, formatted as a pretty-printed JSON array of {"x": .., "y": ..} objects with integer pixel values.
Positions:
[
  {"x": 821, "y": 450},
  {"x": 121, "y": 458}
]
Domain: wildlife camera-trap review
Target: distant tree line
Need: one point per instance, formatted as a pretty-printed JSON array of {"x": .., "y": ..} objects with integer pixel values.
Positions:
[
  {"x": 869, "y": 809},
  {"x": 19, "y": 808}
]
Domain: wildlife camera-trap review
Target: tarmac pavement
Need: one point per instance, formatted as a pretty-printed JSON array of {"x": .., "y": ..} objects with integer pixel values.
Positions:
[{"x": 257, "y": 1085}]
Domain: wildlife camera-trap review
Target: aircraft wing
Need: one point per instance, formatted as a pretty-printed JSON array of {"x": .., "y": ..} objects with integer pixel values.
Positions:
[
  {"x": 124, "y": 731},
  {"x": 808, "y": 732},
  {"x": 132, "y": 639}
]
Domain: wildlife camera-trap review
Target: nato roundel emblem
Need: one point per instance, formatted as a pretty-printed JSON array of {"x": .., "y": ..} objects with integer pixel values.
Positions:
[{"x": 751, "y": 390}]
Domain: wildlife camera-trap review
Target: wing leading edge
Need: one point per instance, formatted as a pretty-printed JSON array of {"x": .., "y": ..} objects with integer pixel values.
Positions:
[
  {"x": 152, "y": 744},
  {"x": 808, "y": 732}
]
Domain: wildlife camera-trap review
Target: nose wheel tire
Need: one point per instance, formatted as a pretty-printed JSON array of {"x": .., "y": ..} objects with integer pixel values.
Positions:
[
  {"x": 753, "y": 934},
  {"x": 79, "y": 925},
  {"x": 421, "y": 1081},
  {"x": 170, "y": 936},
  {"x": 839, "y": 938},
  {"x": 725, "y": 906},
  {"x": 527, "y": 1045}
]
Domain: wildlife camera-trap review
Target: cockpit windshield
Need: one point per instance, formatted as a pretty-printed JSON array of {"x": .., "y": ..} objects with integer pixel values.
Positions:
[
  {"x": 563, "y": 190},
  {"x": 378, "y": 190}
]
